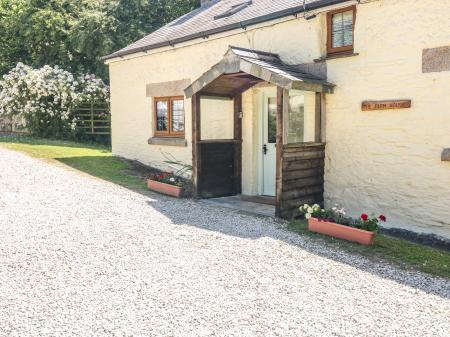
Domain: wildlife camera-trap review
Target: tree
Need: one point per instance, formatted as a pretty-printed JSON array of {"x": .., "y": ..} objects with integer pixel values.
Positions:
[{"x": 75, "y": 34}]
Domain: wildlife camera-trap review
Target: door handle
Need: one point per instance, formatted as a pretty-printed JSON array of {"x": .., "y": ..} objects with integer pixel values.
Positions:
[{"x": 265, "y": 148}]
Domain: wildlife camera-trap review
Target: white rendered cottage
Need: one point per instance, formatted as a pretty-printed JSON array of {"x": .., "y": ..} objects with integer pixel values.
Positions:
[{"x": 338, "y": 101}]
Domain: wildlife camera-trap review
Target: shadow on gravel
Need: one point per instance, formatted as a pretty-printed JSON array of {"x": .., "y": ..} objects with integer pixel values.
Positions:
[
  {"x": 127, "y": 173},
  {"x": 108, "y": 168},
  {"x": 226, "y": 221}
]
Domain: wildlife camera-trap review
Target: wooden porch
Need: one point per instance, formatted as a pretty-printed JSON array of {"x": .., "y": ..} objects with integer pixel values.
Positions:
[{"x": 217, "y": 164}]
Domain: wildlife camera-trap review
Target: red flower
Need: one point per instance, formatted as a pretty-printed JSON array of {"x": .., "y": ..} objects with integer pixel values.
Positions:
[
  {"x": 364, "y": 216},
  {"x": 382, "y": 218}
]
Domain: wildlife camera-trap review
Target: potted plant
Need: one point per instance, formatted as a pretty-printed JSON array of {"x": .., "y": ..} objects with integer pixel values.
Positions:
[
  {"x": 166, "y": 183},
  {"x": 334, "y": 222}
]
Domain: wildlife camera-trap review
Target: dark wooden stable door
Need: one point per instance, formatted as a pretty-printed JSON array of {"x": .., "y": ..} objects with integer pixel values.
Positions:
[{"x": 217, "y": 169}]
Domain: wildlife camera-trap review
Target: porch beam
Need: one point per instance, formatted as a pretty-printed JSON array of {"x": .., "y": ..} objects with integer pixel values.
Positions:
[
  {"x": 196, "y": 143},
  {"x": 213, "y": 95}
]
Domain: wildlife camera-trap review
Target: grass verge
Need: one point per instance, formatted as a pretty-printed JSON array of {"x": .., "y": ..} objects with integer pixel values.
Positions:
[
  {"x": 404, "y": 253},
  {"x": 95, "y": 160}
]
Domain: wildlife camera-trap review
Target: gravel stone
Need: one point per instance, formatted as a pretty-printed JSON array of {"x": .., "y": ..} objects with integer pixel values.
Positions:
[{"x": 83, "y": 257}]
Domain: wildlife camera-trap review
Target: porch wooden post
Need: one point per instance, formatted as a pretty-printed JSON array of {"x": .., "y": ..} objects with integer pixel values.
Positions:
[
  {"x": 238, "y": 143},
  {"x": 318, "y": 118},
  {"x": 196, "y": 138},
  {"x": 279, "y": 152}
]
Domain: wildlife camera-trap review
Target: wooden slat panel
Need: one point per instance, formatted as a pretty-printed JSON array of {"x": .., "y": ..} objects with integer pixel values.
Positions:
[
  {"x": 303, "y": 177},
  {"x": 300, "y": 174},
  {"x": 302, "y": 183},
  {"x": 303, "y": 148},
  {"x": 304, "y": 192},
  {"x": 310, "y": 199},
  {"x": 303, "y": 155},
  {"x": 302, "y": 165}
]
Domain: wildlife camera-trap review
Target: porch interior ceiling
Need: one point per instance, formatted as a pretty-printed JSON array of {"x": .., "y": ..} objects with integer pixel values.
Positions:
[
  {"x": 229, "y": 85},
  {"x": 242, "y": 68}
]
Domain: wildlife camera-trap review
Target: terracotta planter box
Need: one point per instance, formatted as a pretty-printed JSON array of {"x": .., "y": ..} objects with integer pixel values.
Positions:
[
  {"x": 341, "y": 232},
  {"x": 172, "y": 190}
]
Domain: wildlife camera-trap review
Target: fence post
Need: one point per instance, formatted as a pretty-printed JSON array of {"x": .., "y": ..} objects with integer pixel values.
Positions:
[{"x": 92, "y": 117}]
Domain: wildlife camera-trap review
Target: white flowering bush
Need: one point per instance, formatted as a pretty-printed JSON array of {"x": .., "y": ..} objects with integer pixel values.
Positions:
[{"x": 48, "y": 97}]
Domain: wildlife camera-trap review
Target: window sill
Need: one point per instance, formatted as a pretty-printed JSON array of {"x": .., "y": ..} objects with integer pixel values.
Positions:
[
  {"x": 336, "y": 56},
  {"x": 167, "y": 141}
]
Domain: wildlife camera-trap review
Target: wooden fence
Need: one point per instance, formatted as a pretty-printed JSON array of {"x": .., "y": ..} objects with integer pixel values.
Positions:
[
  {"x": 302, "y": 177},
  {"x": 94, "y": 119}
]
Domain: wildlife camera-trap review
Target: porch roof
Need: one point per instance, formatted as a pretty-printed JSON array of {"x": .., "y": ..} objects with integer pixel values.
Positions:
[{"x": 242, "y": 68}]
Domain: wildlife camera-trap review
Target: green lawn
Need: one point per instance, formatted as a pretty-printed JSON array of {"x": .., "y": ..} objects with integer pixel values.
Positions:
[
  {"x": 95, "y": 160},
  {"x": 401, "y": 252},
  {"x": 98, "y": 161}
]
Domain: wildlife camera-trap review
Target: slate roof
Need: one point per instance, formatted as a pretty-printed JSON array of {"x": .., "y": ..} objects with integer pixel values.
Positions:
[
  {"x": 265, "y": 66},
  {"x": 207, "y": 20}
]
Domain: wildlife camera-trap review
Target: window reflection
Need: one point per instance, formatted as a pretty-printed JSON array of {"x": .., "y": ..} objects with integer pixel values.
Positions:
[
  {"x": 162, "y": 115},
  {"x": 178, "y": 115},
  {"x": 301, "y": 123}
]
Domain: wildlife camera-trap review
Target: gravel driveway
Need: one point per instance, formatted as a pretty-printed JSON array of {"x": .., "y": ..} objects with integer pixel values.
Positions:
[{"x": 83, "y": 257}]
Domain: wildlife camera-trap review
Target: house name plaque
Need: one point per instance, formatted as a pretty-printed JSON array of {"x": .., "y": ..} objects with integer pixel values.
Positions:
[{"x": 386, "y": 105}]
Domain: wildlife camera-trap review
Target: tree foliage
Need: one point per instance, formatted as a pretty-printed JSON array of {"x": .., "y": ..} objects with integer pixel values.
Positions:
[{"x": 75, "y": 34}]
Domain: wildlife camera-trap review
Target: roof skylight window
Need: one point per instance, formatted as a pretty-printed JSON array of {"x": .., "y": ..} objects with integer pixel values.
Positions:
[{"x": 233, "y": 10}]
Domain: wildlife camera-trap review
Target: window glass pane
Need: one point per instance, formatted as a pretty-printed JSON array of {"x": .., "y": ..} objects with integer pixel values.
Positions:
[
  {"x": 342, "y": 29},
  {"x": 301, "y": 122},
  {"x": 162, "y": 115},
  {"x": 347, "y": 19},
  {"x": 272, "y": 120},
  {"x": 296, "y": 118},
  {"x": 178, "y": 115}
]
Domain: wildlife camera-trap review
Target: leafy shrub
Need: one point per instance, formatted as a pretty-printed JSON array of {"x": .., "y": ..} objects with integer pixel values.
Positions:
[{"x": 47, "y": 98}]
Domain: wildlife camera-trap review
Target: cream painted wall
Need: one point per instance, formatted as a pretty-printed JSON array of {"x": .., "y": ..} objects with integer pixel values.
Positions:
[
  {"x": 217, "y": 118},
  {"x": 389, "y": 161},
  {"x": 377, "y": 161}
]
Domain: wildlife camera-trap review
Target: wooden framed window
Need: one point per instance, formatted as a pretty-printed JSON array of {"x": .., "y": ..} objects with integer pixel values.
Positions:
[
  {"x": 341, "y": 27},
  {"x": 169, "y": 116}
]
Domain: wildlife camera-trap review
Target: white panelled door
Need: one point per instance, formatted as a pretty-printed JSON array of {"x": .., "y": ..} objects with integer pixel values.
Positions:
[{"x": 269, "y": 145}]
